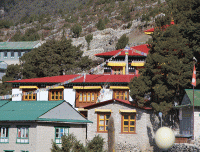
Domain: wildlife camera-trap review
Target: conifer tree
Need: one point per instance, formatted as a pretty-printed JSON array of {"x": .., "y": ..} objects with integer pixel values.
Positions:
[
  {"x": 54, "y": 58},
  {"x": 122, "y": 42}
]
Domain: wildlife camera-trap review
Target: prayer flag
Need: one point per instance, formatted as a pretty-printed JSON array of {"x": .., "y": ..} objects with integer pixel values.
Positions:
[{"x": 194, "y": 77}]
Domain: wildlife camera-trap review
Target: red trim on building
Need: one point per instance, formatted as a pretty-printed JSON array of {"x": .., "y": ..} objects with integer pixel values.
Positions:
[
  {"x": 89, "y": 79},
  {"x": 114, "y": 100},
  {"x": 143, "y": 48}
]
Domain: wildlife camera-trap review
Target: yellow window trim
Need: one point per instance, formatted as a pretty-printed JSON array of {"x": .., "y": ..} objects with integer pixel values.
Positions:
[
  {"x": 86, "y": 87},
  {"x": 103, "y": 110},
  {"x": 58, "y": 87},
  {"x": 116, "y": 64},
  {"x": 119, "y": 87},
  {"x": 127, "y": 111},
  {"x": 137, "y": 64},
  {"x": 148, "y": 33},
  {"x": 28, "y": 87},
  {"x": 82, "y": 109}
]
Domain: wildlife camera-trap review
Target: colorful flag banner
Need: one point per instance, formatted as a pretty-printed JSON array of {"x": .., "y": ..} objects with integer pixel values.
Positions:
[{"x": 194, "y": 77}]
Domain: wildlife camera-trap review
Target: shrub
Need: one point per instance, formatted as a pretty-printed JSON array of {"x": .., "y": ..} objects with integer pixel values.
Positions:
[
  {"x": 76, "y": 29},
  {"x": 100, "y": 25},
  {"x": 122, "y": 42},
  {"x": 78, "y": 147},
  {"x": 89, "y": 38},
  {"x": 96, "y": 144}
]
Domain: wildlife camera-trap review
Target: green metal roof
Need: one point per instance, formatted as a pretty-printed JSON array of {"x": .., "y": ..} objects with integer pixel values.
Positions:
[
  {"x": 65, "y": 120},
  {"x": 18, "y": 45},
  {"x": 3, "y": 102},
  {"x": 196, "y": 96},
  {"x": 26, "y": 110}
]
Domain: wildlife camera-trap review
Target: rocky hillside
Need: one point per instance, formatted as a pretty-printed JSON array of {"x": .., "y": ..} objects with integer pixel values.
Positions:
[{"x": 119, "y": 17}]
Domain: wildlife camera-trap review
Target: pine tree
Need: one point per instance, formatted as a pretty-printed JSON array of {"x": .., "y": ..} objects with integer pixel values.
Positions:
[
  {"x": 122, "y": 42},
  {"x": 54, "y": 58},
  {"x": 167, "y": 71}
]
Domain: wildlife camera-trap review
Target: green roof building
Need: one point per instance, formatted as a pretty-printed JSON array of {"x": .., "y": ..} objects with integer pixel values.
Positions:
[
  {"x": 10, "y": 52},
  {"x": 32, "y": 125}
]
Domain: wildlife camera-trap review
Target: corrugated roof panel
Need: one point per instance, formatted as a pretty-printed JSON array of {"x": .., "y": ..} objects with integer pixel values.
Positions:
[
  {"x": 3, "y": 102},
  {"x": 196, "y": 96},
  {"x": 18, "y": 45},
  {"x": 26, "y": 110}
]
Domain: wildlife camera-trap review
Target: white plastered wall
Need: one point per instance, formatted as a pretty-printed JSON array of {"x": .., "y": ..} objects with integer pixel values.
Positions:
[
  {"x": 15, "y": 92},
  {"x": 69, "y": 96},
  {"x": 107, "y": 95},
  {"x": 42, "y": 95}
]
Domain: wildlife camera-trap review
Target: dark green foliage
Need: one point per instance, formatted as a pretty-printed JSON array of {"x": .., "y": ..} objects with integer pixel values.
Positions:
[
  {"x": 96, "y": 144},
  {"x": 106, "y": 20},
  {"x": 55, "y": 147},
  {"x": 70, "y": 144},
  {"x": 54, "y": 58},
  {"x": 111, "y": 134},
  {"x": 5, "y": 24},
  {"x": 122, "y": 42},
  {"x": 89, "y": 38},
  {"x": 167, "y": 71},
  {"x": 30, "y": 35},
  {"x": 76, "y": 29},
  {"x": 78, "y": 147},
  {"x": 100, "y": 25},
  {"x": 13, "y": 72},
  {"x": 129, "y": 25}
]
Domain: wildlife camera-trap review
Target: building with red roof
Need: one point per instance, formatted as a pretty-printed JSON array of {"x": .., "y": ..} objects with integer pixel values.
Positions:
[
  {"x": 151, "y": 30},
  {"x": 136, "y": 58}
]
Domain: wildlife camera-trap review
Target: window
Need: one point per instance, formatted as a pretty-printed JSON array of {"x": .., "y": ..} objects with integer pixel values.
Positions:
[
  {"x": 12, "y": 54},
  {"x": 23, "y": 134},
  {"x": 55, "y": 94},
  {"x": 86, "y": 97},
  {"x": 19, "y": 54},
  {"x": 5, "y": 54},
  {"x": 117, "y": 71},
  {"x": 4, "y": 134},
  {"x": 24, "y": 151},
  {"x": 128, "y": 122},
  {"x": 29, "y": 97},
  {"x": 102, "y": 122},
  {"x": 121, "y": 94},
  {"x": 59, "y": 132}
]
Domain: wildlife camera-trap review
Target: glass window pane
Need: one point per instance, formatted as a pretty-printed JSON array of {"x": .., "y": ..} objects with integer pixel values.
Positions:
[
  {"x": 125, "y": 116},
  {"x": 92, "y": 96},
  {"x": 132, "y": 123},
  {"x": 101, "y": 116},
  {"x": 56, "y": 97},
  {"x": 132, "y": 116},
  {"x": 126, "y": 129},
  {"x": 52, "y": 97},
  {"x": 125, "y": 122},
  {"x": 88, "y": 97},
  {"x": 107, "y": 116},
  {"x": 101, "y": 128},
  {"x": 101, "y": 122},
  {"x": 131, "y": 128},
  {"x": 106, "y": 122},
  {"x": 80, "y": 97}
]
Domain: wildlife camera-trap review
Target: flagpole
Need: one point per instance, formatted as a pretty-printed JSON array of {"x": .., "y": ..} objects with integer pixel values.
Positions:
[{"x": 193, "y": 104}]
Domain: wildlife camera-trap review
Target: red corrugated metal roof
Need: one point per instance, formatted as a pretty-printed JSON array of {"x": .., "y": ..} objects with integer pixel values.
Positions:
[
  {"x": 143, "y": 48},
  {"x": 152, "y": 29},
  {"x": 89, "y": 79},
  {"x": 112, "y": 100}
]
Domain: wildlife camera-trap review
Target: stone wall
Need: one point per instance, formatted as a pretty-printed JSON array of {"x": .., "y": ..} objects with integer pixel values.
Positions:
[{"x": 142, "y": 139}]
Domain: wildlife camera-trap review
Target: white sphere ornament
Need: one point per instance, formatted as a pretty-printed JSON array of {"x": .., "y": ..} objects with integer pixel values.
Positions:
[{"x": 164, "y": 138}]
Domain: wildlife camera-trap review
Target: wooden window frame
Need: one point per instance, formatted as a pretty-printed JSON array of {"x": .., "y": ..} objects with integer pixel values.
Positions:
[
  {"x": 81, "y": 94},
  {"x": 104, "y": 125},
  {"x": 26, "y": 97},
  {"x": 52, "y": 93},
  {"x": 121, "y": 94},
  {"x": 20, "y": 139},
  {"x": 6, "y": 134},
  {"x": 129, "y": 126},
  {"x": 58, "y": 140}
]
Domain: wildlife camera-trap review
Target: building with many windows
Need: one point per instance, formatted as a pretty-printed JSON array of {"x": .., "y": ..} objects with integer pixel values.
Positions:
[
  {"x": 10, "y": 52},
  {"x": 97, "y": 96}
]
